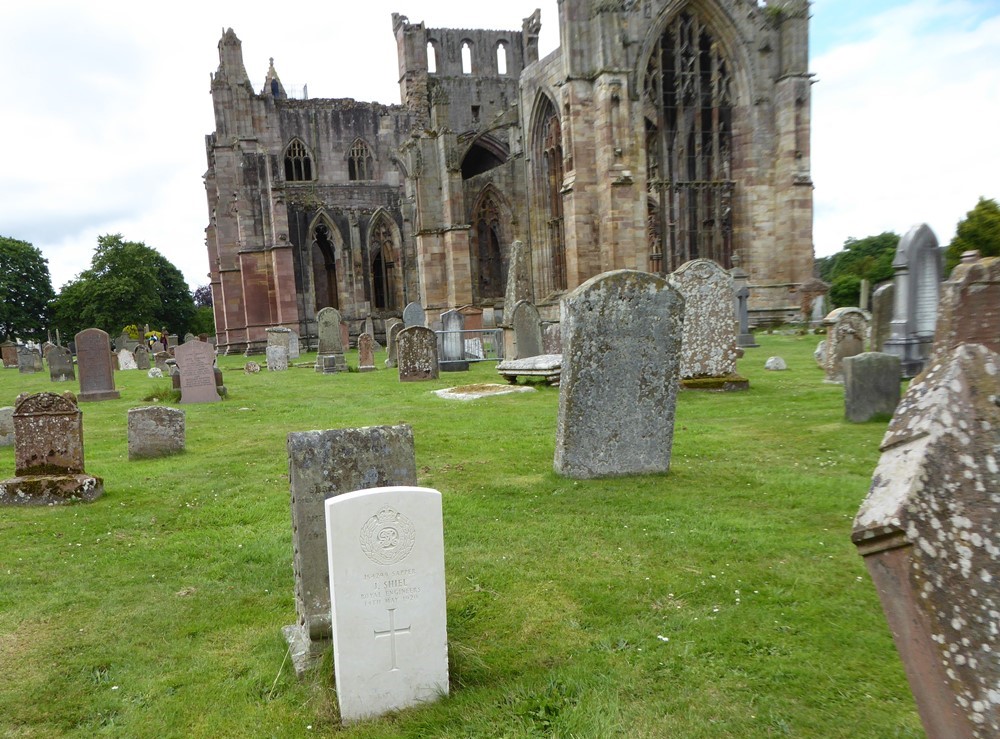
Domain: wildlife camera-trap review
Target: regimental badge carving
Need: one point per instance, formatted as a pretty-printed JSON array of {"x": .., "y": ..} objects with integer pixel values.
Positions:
[{"x": 387, "y": 537}]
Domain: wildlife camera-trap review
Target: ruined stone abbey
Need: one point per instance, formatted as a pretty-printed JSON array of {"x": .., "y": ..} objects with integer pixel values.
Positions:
[{"x": 658, "y": 132}]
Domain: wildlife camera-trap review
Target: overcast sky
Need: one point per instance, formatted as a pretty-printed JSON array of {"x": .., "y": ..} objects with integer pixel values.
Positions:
[{"x": 106, "y": 106}]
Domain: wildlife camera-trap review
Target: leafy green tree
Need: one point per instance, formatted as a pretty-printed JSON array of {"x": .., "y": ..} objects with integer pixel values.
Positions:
[
  {"x": 980, "y": 229},
  {"x": 869, "y": 258},
  {"x": 127, "y": 283},
  {"x": 25, "y": 290}
]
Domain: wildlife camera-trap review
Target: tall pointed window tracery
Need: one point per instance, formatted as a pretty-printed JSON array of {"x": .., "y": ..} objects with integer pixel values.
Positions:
[
  {"x": 489, "y": 268},
  {"x": 359, "y": 162},
  {"x": 383, "y": 265},
  {"x": 324, "y": 268},
  {"x": 552, "y": 154},
  {"x": 688, "y": 108},
  {"x": 298, "y": 163}
]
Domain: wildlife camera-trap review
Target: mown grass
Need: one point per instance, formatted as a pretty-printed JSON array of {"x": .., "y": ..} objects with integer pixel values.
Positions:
[{"x": 723, "y": 599}]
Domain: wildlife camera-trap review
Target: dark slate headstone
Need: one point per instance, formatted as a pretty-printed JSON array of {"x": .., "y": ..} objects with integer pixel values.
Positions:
[
  {"x": 452, "y": 347},
  {"x": 60, "y": 365},
  {"x": 621, "y": 334},
  {"x": 330, "y": 354},
  {"x": 871, "y": 386},
  {"x": 527, "y": 325},
  {"x": 366, "y": 353},
  {"x": 48, "y": 454},
  {"x": 917, "y": 268},
  {"x": 413, "y": 315},
  {"x": 93, "y": 360},
  {"x": 882, "y": 306},
  {"x": 417, "y": 354},
  {"x": 196, "y": 364},
  {"x": 323, "y": 464},
  {"x": 929, "y": 531},
  {"x": 155, "y": 431}
]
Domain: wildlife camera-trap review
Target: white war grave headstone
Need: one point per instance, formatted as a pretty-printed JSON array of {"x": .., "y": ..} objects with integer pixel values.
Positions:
[{"x": 387, "y": 584}]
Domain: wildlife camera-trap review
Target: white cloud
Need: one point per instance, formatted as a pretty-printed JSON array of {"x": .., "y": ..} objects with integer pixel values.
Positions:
[{"x": 904, "y": 122}]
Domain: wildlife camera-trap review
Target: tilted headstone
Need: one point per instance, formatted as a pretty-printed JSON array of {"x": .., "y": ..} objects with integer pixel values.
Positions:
[
  {"x": 391, "y": 344},
  {"x": 60, "y": 365},
  {"x": 387, "y": 579},
  {"x": 621, "y": 336},
  {"x": 29, "y": 361},
  {"x": 126, "y": 360},
  {"x": 882, "y": 306},
  {"x": 917, "y": 278},
  {"x": 709, "y": 345},
  {"x": 48, "y": 454},
  {"x": 277, "y": 357},
  {"x": 155, "y": 431},
  {"x": 366, "y": 353},
  {"x": 527, "y": 325},
  {"x": 970, "y": 307},
  {"x": 141, "y": 358},
  {"x": 417, "y": 354},
  {"x": 7, "y": 426},
  {"x": 323, "y": 464},
  {"x": 330, "y": 353},
  {"x": 871, "y": 386},
  {"x": 93, "y": 353},
  {"x": 8, "y": 352},
  {"x": 452, "y": 348},
  {"x": 518, "y": 286},
  {"x": 929, "y": 532},
  {"x": 847, "y": 337},
  {"x": 413, "y": 315},
  {"x": 196, "y": 364}
]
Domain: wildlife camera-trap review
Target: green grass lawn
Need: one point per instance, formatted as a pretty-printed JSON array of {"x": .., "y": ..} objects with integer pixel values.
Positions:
[{"x": 723, "y": 599}]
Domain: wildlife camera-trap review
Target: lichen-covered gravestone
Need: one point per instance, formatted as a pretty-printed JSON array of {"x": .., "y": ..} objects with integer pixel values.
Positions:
[
  {"x": 330, "y": 353},
  {"x": 929, "y": 531},
  {"x": 847, "y": 337},
  {"x": 871, "y": 386},
  {"x": 708, "y": 349},
  {"x": 322, "y": 464},
  {"x": 196, "y": 363},
  {"x": 390, "y": 630},
  {"x": 621, "y": 334},
  {"x": 93, "y": 353},
  {"x": 527, "y": 325},
  {"x": 155, "y": 431},
  {"x": 970, "y": 307},
  {"x": 48, "y": 454},
  {"x": 60, "y": 364},
  {"x": 126, "y": 360},
  {"x": 277, "y": 357},
  {"x": 417, "y": 354}
]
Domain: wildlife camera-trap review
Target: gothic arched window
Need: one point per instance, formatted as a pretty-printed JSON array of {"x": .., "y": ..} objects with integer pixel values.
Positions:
[
  {"x": 383, "y": 265},
  {"x": 688, "y": 105},
  {"x": 324, "y": 267},
  {"x": 359, "y": 162},
  {"x": 489, "y": 268},
  {"x": 552, "y": 154},
  {"x": 298, "y": 164}
]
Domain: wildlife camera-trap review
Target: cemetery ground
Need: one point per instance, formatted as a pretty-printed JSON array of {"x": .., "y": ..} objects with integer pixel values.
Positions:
[{"x": 724, "y": 598}]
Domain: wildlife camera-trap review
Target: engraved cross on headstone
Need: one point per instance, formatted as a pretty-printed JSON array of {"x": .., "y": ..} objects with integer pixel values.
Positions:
[{"x": 391, "y": 633}]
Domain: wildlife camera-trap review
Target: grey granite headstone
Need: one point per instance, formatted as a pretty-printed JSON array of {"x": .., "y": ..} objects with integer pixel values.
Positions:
[
  {"x": 277, "y": 357},
  {"x": 413, "y": 315},
  {"x": 917, "y": 278},
  {"x": 390, "y": 340},
  {"x": 7, "y": 426},
  {"x": 323, "y": 464},
  {"x": 621, "y": 334},
  {"x": 847, "y": 337},
  {"x": 48, "y": 453},
  {"x": 93, "y": 352},
  {"x": 196, "y": 364},
  {"x": 709, "y": 345},
  {"x": 882, "y": 306},
  {"x": 330, "y": 354},
  {"x": 527, "y": 325},
  {"x": 417, "y": 354},
  {"x": 871, "y": 386},
  {"x": 366, "y": 353},
  {"x": 155, "y": 431},
  {"x": 60, "y": 364},
  {"x": 452, "y": 349},
  {"x": 929, "y": 531}
]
